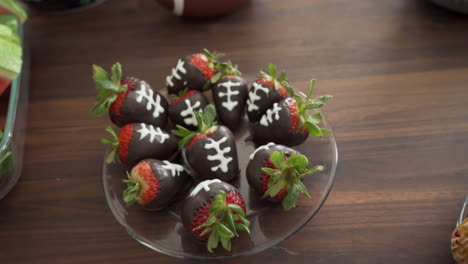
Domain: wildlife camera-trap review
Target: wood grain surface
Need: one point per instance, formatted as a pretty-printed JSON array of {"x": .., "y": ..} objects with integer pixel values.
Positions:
[{"x": 399, "y": 73}]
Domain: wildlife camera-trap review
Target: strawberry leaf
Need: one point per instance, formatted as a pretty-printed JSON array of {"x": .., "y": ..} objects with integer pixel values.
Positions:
[
  {"x": 226, "y": 243},
  {"x": 237, "y": 209},
  {"x": 301, "y": 163},
  {"x": 230, "y": 222},
  {"x": 223, "y": 231},
  {"x": 108, "y": 87},
  {"x": 315, "y": 118},
  {"x": 270, "y": 171},
  {"x": 302, "y": 188},
  {"x": 314, "y": 129},
  {"x": 216, "y": 77},
  {"x": 206, "y": 231},
  {"x": 210, "y": 114},
  {"x": 131, "y": 194},
  {"x": 289, "y": 201},
  {"x": 277, "y": 158},
  {"x": 213, "y": 241},
  {"x": 275, "y": 189},
  {"x": 242, "y": 227},
  {"x": 326, "y": 131},
  {"x": 113, "y": 143},
  {"x": 311, "y": 90}
]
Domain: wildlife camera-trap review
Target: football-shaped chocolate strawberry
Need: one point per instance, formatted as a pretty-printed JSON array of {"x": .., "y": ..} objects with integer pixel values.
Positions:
[
  {"x": 289, "y": 122},
  {"x": 202, "y": 8},
  {"x": 276, "y": 173},
  {"x": 183, "y": 106},
  {"x": 266, "y": 91},
  {"x": 138, "y": 141},
  {"x": 154, "y": 184},
  {"x": 230, "y": 96},
  {"x": 194, "y": 72},
  {"x": 128, "y": 100},
  {"x": 215, "y": 211},
  {"x": 211, "y": 150}
]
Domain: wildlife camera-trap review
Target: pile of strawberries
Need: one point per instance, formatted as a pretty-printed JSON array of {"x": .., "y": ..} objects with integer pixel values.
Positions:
[{"x": 184, "y": 143}]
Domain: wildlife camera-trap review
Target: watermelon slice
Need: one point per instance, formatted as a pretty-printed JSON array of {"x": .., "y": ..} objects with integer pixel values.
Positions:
[{"x": 12, "y": 7}]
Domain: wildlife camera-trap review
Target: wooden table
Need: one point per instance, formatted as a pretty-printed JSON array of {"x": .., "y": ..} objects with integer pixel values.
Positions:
[{"x": 399, "y": 73}]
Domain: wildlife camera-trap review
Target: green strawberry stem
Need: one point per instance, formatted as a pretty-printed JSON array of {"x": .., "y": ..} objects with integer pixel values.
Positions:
[
  {"x": 108, "y": 87},
  {"x": 131, "y": 194},
  {"x": 271, "y": 73},
  {"x": 288, "y": 174},
  {"x": 311, "y": 121},
  {"x": 223, "y": 223},
  {"x": 206, "y": 123},
  {"x": 113, "y": 142}
]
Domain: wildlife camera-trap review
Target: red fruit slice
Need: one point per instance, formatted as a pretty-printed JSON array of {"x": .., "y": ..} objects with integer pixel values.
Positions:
[
  {"x": 200, "y": 61},
  {"x": 266, "y": 177},
  {"x": 270, "y": 83},
  {"x": 125, "y": 136},
  {"x": 294, "y": 115},
  {"x": 186, "y": 95},
  {"x": 148, "y": 182},
  {"x": 195, "y": 138},
  {"x": 4, "y": 83},
  {"x": 115, "y": 107}
]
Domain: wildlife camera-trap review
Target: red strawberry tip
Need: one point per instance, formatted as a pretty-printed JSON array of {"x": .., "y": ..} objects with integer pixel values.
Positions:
[
  {"x": 186, "y": 93},
  {"x": 225, "y": 219}
]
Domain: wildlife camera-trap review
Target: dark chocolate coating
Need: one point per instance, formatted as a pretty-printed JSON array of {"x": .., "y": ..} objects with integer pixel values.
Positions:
[
  {"x": 175, "y": 110},
  {"x": 201, "y": 198},
  {"x": 142, "y": 148},
  {"x": 227, "y": 115},
  {"x": 133, "y": 111},
  {"x": 255, "y": 165},
  {"x": 197, "y": 156},
  {"x": 264, "y": 102},
  {"x": 279, "y": 130},
  {"x": 192, "y": 79},
  {"x": 169, "y": 185}
]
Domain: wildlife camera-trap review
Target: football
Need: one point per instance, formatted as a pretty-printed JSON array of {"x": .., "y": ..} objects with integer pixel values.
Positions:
[{"x": 202, "y": 8}]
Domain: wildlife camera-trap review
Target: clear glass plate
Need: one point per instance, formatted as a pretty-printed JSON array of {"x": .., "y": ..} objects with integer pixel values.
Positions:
[
  {"x": 12, "y": 141},
  {"x": 164, "y": 232}
]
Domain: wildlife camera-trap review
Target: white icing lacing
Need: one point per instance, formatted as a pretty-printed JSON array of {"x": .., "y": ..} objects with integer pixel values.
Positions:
[
  {"x": 229, "y": 104},
  {"x": 265, "y": 147},
  {"x": 151, "y": 103},
  {"x": 203, "y": 185},
  {"x": 268, "y": 117},
  {"x": 175, "y": 73},
  {"x": 175, "y": 169},
  {"x": 188, "y": 114},
  {"x": 254, "y": 97},
  {"x": 153, "y": 133},
  {"x": 219, "y": 156}
]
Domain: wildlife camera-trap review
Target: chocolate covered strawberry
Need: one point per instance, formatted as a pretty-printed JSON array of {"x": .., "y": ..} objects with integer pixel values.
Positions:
[
  {"x": 194, "y": 72},
  {"x": 211, "y": 150},
  {"x": 138, "y": 141},
  {"x": 230, "y": 96},
  {"x": 276, "y": 173},
  {"x": 128, "y": 100},
  {"x": 289, "y": 122},
  {"x": 265, "y": 91},
  {"x": 215, "y": 211},
  {"x": 183, "y": 106},
  {"x": 154, "y": 184}
]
